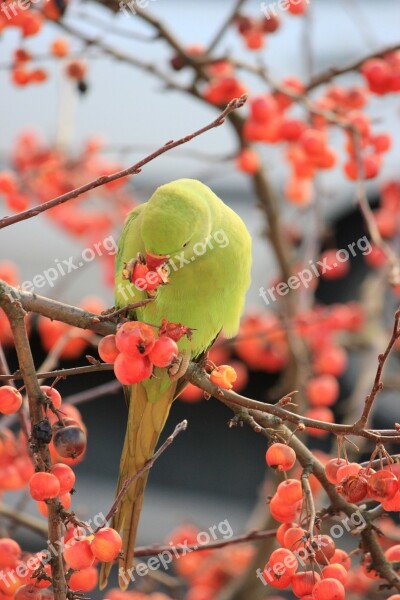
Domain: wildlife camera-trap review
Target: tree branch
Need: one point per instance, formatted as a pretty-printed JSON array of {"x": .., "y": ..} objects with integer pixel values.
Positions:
[
  {"x": 15, "y": 315},
  {"x": 133, "y": 170},
  {"x": 378, "y": 385},
  {"x": 329, "y": 74}
]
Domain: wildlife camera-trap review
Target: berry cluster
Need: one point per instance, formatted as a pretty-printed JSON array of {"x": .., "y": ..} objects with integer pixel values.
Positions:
[
  {"x": 327, "y": 569},
  {"x": 255, "y": 31},
  {"x": 134, "y": 350}
]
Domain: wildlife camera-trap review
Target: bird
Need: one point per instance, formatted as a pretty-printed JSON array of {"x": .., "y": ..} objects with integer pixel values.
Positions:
[{"x": 206, "y": 248}]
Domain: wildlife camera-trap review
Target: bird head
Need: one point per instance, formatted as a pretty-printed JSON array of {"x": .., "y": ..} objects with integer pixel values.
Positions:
[{"x": 177, "y": 217}]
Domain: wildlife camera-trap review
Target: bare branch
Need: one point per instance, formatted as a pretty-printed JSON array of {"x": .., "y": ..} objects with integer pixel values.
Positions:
[
  {"x": 178, "y": 429},
  {"x": 329, "y": 74},
  {"x": 377, "y": 386},
  {"x": 133, "y": 170}
]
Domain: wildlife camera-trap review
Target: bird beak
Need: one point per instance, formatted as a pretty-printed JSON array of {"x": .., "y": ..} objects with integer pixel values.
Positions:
[{"x": 155, "y": 260}]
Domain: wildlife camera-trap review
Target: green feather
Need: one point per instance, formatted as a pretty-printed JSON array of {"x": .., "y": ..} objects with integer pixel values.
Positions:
[{"x": 210, "y": 260}]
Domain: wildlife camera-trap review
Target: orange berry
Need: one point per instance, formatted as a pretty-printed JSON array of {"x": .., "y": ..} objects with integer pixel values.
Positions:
[
  {"x": 43, "y": 486},
  {"x": 78, "y": 554},
  {"x": 84, "y": 581},
  {"x": 280, "y": 457},
  {"x": 10, "y": 400},
  {"x": 248, "y": 161},
  {"x": 59, "y": 47},
  {"x": 106, "y": 544},
  {"x": 107, "y": 349},
  {"x": 223, "y": 376}
]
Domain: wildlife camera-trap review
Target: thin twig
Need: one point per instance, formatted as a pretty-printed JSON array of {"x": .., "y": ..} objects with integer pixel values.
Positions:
[
  {"x": 178, "y": 429},
  {"x": 377, "y": 385},
  {"x": 329, "y": 74},
  {"x": 63, "y": 373},
  {"x": 252, "y": 536}
]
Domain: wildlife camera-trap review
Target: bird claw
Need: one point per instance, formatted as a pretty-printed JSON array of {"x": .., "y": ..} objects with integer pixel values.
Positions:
[{"x": 179, "y": 365}]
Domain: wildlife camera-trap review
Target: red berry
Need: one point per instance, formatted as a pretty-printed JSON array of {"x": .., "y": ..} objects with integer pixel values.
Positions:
[
  {"x": 298, "y": 7},
  {"x": 335, "y": 571},
  {"x": 65, "y": 476},
  {"x": 290, "y": 491},
  {"x": 282, "y": 529},
  {"x": 144, "y": 278},
  {"x": 291, "y": 129},
  {"x": 381, "y": 142},
  {"x": 353, "y": 488},
  {"x": 328, "y": 589},
  {"x": 84, "y": 580},
  {"x": 347, "y": 470},
  {"x": 107, "y": 349},
  {"x": 135, "y": 339},
  {"x": 106, "y": 544},
  {"x": 43, "y": 486},
  {"x": 322, "y": 390},
  {"x": 332, "y": 467},
  {"x": 332, "y": 361},
  {"x": 254, "y": 39},
  {"x": 294, "y": 538},
  {"x": 378, "y": 74},
  {"x": 303, "y": 583},
  {"x": 284, "y": 513},
  {"x": 313, "y": 141},
  {"x": 334, "y": 265},
  {"x": 280, "y": 457},
  {"x": 382, "y": 485},
  {"x": 285, "y": 557},
  {"x": 132, "y": 370},
  {"x": 53, "y": 395},
  {"x": 248, "y": 161},
  {"x": 270, "y": 23},
  {"x": 76, "y": 69},
  {"x": 299, "y": 191},
  {"x": 341, "y": 557},
  {"x": 263, "y": 108},
  {"x": 10, "y": 553},
  {"x": 78, "y": 553},
  {"x": 10, "y": 400},
  {"x": 191, "y": 393},
  {"x": 163, "y": 352}
]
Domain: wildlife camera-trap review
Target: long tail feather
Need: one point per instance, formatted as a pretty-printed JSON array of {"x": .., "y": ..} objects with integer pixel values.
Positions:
[{"x": 146, "y": 420}]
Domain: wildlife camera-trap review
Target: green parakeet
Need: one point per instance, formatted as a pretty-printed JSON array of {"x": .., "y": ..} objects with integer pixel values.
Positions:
[{"x": 209, "y": 253}]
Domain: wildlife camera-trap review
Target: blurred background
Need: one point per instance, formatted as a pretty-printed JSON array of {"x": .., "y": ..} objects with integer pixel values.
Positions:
[{"x": 211, "y": 473}]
